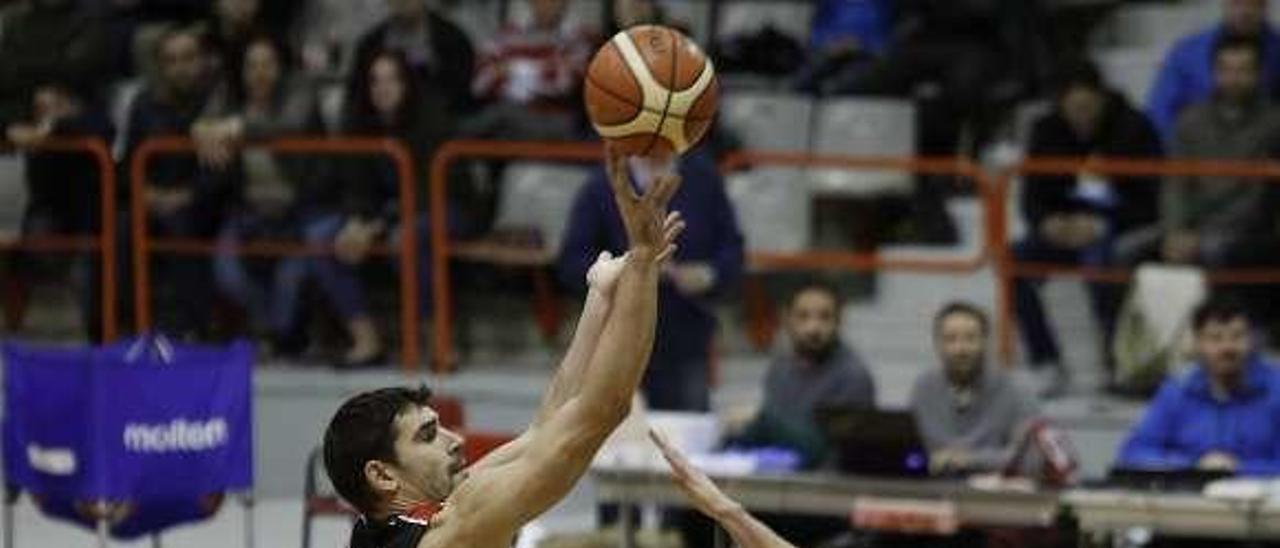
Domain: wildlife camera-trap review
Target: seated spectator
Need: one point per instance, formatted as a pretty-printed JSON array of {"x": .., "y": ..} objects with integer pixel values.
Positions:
[
  {"x": 360, "y": 206},
  {"x": 1187, "y": 75},
  {"x": 49, "y": 41},
  {"x": 531, "y": 75},
  {"x": 1201, "y": 216},
  {"x": 181, "y": 201},
  {"x": 437, "y": 50},
  {"x": 972, "y": 418},
  {"x": 846, "y": 35},
  {"x": 1079, "y": 219},
  {"x": 1223, "y": 413},
  {"x": 819, "y": 370},
  {"x": 63, "y": 188},
  {"x": 234, "y": 23},
  {"x": 964, "y": 60},
  {"x": 267, "y": 100}
]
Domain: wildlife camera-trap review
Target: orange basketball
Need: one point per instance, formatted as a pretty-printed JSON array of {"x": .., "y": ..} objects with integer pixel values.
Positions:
[{"x": 651, "y": 91}]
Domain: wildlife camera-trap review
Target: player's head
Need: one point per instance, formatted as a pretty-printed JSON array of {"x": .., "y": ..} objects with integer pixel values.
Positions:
[
  {"x": 960, "y": 335},
  {"x": 387, "y": 446},
  {"x": 813, "y": 319}
]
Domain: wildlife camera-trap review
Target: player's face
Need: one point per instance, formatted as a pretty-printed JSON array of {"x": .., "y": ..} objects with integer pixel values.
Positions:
[
  {"x": 961, "y": 344},
  {"x": 1223, "y": 346},
  {"x": 386, "y": 86},
  {"x": 429, "y": 457},
  {"x": 812, "y": 322}
]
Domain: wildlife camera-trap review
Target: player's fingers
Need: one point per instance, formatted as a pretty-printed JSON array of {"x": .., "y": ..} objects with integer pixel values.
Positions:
[
  {"x": 604, "y": 256},
  {"x": 666, "y": 254},
  {"x": 674, "y": 230},
  {"x": 664, "y": 189}
]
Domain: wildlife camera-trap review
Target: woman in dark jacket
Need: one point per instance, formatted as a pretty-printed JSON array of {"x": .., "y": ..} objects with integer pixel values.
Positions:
[{"x": 360, "y": 206}]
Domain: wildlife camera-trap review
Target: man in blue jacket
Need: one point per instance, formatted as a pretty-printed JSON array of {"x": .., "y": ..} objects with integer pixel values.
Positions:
[
  {"x": 1222, "y": 414},
  {"x": 1186, "y": 76},
  {"x": 708, "y": 261}
]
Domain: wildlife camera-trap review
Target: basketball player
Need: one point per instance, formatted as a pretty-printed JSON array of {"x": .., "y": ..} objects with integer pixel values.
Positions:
[{"x": 388, "y": 456}]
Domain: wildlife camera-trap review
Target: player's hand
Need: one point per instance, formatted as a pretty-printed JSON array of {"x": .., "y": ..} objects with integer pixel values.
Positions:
[
  {"x": 604, "y": 274},
  {"x": 692, "y": 279},
  {"x": 644, "y": 217},
  {"x": 701, "y": 491},
  {"x": 1218, "y": 460}
]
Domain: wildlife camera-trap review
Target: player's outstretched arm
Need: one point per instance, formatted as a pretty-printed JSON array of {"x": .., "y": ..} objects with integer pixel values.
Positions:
[
  {"x": 602, "y": 278},
  {"x": 489, "y": 507},
  {"x": 746, "y": 531}
]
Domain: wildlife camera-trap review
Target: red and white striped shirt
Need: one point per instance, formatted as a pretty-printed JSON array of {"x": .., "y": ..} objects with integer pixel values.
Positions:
[{"x": 534, "y": 66}]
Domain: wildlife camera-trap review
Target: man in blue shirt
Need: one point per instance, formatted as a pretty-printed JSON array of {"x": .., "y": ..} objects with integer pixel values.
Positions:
[
  {"x": 708, "y": 261},
  {"x": 1186, "y": 76},
  {"x": 1222, "y": 414}
]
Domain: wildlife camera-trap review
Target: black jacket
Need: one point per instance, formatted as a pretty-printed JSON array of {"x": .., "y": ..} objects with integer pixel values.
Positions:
[{"x": 1124, "y": 133}]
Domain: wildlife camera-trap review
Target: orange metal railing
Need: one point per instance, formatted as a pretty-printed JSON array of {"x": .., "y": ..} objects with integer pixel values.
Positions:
[
  {"x": 442, "y": 249},
  {"x": 1009, "y": 270},
  {"x": 144, "y": 245},
  {"x": 104, "y": 242}
]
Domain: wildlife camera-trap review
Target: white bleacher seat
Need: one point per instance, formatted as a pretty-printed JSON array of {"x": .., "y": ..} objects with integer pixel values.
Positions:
[
  {"x": 790, "y": 17},
  {"x": 864, "y": 127},
  {"x": 539, "y": 196},
  {"x": 768, "y": 120},
  {"x": 332, "y": 100},
  {"x": 774, "y": 208},
  {"x": 120, "y": 102},
  {"x": 1131, "y": 71}
]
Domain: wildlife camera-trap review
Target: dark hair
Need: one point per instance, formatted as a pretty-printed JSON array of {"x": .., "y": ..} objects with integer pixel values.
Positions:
[
  {"x": 1079, "y": 73},
  {"x": 820, "y": 287},
  {"x": 1232, "y": 43},
  {"x": 363, "y": 430},
  {"x": 962, "y": 307},
  {"x": 1218, "y": 309},
  {"x": 361, "y": 116},
  {"x": 235, "y": 72}
]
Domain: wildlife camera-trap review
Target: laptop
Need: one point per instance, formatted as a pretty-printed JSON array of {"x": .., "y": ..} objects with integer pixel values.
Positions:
[{"x": 874, "y": 442}]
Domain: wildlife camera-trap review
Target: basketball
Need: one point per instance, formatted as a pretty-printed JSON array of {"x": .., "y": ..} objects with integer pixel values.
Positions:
[{"x": 651, "y": 91}]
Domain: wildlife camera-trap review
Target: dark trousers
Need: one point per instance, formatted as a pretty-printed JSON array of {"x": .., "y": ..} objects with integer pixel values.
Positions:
[{"x": 1104, "y": 298}]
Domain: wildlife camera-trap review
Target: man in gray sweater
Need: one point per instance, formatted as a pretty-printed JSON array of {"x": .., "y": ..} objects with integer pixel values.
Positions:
[
  {"x": 1203, "y": 216},
  {"x": 817, "y": 370},
  {"x": 971, "y": 417}
]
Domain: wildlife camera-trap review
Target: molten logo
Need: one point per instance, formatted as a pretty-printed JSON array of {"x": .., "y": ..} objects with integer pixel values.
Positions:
[{"x": 178, "y": 436}]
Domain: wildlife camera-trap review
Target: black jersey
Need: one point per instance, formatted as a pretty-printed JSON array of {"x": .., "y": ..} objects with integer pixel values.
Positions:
[{"x": 396, "y": 532}]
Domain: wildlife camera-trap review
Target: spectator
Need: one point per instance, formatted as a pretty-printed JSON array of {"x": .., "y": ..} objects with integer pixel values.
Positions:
[
  {"x": 709, "y": 261},
  {"x": 971, "y": 417},
  {"x": 622, "y": 14},
  {"x": 532, "y": 74},
  {"x": 1223, "y": 413},
  {"x": 63, "y": 188},
  {"x": 819, "y": 370},
  {"x": 360, "y": 207},
  {"x": 1078, "y": 219},
  {"x": 1201, "y": 216},
  {"x": 268, "y": 100},
  {"x": 846, "y": 36},
  {"x": 234, "y": 23},
  {"x": 327, "y": 31},
  {"x": 963, "y": 59},
  {"x": 49, "y": 41},
  {"x": 439, "y": 53},
  {"x": 181, "y": 201},
  {"x": 1187, "y": 75}
]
